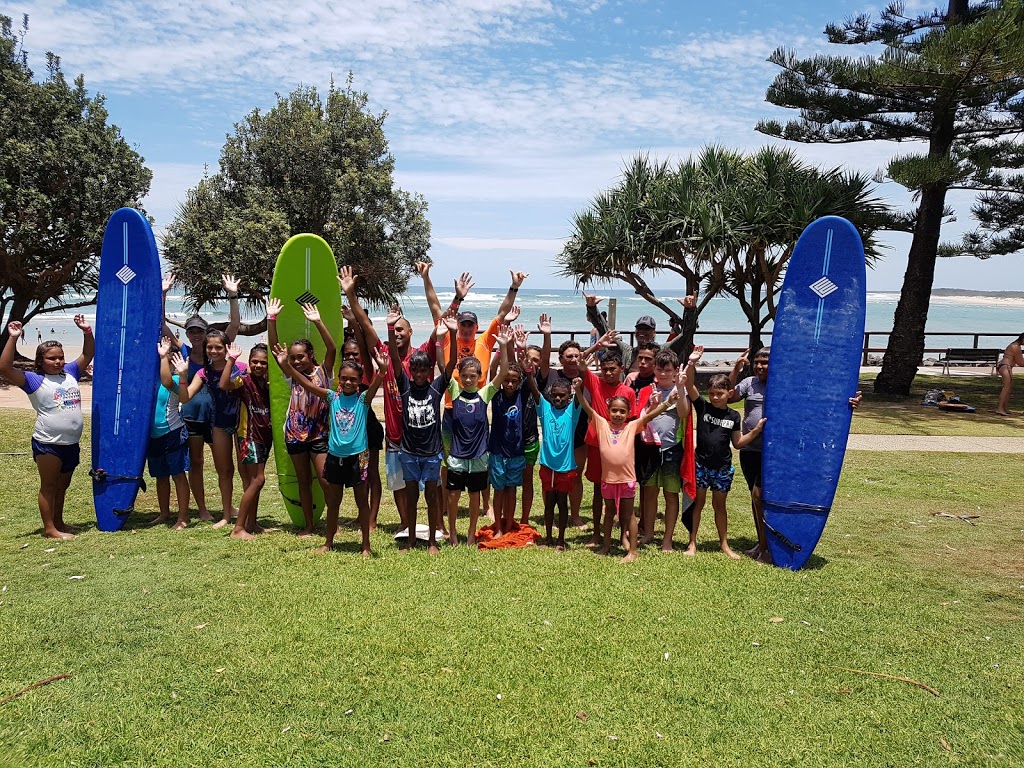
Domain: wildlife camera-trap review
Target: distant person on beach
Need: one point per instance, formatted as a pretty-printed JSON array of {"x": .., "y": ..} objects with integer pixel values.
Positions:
[
  {"x": 53, "y": 390},
  {"x": 1012, "y": 356},
  {"x": 39, "y": 335}
]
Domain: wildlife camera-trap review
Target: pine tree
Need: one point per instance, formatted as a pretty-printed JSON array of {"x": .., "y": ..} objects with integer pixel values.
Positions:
[{"x": 953, "y": 80}]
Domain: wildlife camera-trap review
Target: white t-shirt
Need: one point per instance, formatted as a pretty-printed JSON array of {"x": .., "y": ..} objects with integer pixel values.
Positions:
[{"x": 58, "y": 403}]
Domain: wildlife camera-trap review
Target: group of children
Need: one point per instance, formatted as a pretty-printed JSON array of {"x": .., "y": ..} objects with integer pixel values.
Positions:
[{"x": 626, "y": 430}]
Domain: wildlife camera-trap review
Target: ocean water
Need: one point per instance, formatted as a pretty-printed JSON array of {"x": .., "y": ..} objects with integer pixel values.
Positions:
[{"x": 956, "y": 318}]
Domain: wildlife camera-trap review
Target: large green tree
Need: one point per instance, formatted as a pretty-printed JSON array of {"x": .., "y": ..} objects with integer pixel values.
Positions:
[
  {"x": 951, "y": 80},
  {"x": 63, "y": 171},
  {"x": 723, "y": 221},
  {"x": 302, "y": 166}
]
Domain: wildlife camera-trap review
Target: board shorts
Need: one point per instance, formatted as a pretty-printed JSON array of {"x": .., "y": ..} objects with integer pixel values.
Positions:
[
  {"x": 750, "y": 464},
  {"x": 252, "y": 452},
  {"x": 201, "y": 429},
  {"x": 666, "y": 473},
  {"x": 560, "y": 482},
  {"x": 457, "y": 480},
  {"x": 394, "y": 474},
  {"x": 618, "y": 491},
  {"x": 316, "y": 445},
  {"x": 532, "y": 452},
  {"x": 593, "y": 471},
  {"x": 580, "y": 435},
  {"x": 226, "y": 422},
  {"x": 420, "y": 469},
  {"x": 374, "y": 432},
  {"x": 716, "y": 479},
  {"x": 506, "y": 471},
  {"x": 646, "y": 460},
  {"x": 346, "y": 471},
  {"x": 69, "y": 455},
  {"x": 167, "y": 455}
]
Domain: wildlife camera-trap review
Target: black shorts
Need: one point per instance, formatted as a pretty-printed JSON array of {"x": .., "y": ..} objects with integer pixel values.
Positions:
[
  {"x": 317, "y": 445},
  {"x": 474, "y": 482},
  {"x": 579, "y": 436},
  {"x": 646, "y": 460},
  {"x": 374, "y": 432},
  {"x": 203, "y": 429},
  {"x": 750, "y": 464},
  {"x": 347, "y": 471}
]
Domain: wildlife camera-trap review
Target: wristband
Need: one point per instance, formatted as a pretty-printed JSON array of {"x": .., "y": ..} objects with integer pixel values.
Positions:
[
  {"x": 457, "y": 300},
  {"x": 87, "y": 331},
  {"x": 513, "y": 288},
  {"x": 392, "y": 326},
  {"x": 272, "y": 318}
]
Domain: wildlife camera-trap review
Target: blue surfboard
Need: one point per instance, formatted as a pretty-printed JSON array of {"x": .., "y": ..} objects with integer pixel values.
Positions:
[
  {"x": 126, "y": 366},
  {"x": 817, "y": 343}
]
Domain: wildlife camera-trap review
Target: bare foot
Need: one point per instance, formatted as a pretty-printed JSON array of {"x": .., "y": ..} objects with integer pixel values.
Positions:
[
  {"x": 221, "y": 523},
  {"x": 367, "y": 554},
  {"x": 181, "y": 525},
  {"x": 647, "y": 540},
  {"x": 1003, "y": 413},
  {"x": 242, "y": 534},
  {"x": 728, "y": 552},
  {"x": 234, "y": 514},
  {"x": 305, "y": 533},
  {"x": 690, "y": 550},
  {"x": 765, "y": 557},
  {"x": 471, "y": 539},
  {"x": 631, "y": 557},
  {"x": 322, "y": 550},
  {"x": 490, "y": 514},
  {"x": 154, "y": 521},
  {"x": 595, "y": 541},
  {"x": 667, "y": 547},
  {"x": 560, "y": 548},
  {"x": 53, "y": 533},
  {"x": 453, "y": 539},
  {"x": 753, "y": 552},
  {"x": 524, "y": 520},
  {"x": 68, "y": 528},
  {"x": 604, "y": 550},
  {"x": 204, "y": 514},
  {"x": 578, "y": 522},
  {"x": 433, "y": 550}
]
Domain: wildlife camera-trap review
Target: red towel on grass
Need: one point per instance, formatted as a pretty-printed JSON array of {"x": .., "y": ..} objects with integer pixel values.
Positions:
[{"x": 520, "y": 536}]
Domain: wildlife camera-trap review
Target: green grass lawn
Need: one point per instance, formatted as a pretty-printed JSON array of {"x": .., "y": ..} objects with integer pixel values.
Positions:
[
  {"x": 882, "y": 415},
  {"x": 192, "y": 649}
]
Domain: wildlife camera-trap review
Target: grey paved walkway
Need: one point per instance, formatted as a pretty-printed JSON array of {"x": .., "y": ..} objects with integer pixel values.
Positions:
[{"x": 930, "y": 443}]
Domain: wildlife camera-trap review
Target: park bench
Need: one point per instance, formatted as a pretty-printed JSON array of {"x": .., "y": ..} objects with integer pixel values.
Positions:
[{"x": 970, "y": 356}]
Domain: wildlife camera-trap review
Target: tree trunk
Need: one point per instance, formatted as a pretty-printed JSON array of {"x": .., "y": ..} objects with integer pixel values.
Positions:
[{"x": 905, "y": 349}]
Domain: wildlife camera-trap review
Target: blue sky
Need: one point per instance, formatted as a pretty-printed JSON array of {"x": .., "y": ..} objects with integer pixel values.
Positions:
[{"x": 507, "y": 115}]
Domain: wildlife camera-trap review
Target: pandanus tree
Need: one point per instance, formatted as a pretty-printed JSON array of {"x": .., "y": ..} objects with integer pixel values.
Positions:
[{"x": 724, "y": 221}]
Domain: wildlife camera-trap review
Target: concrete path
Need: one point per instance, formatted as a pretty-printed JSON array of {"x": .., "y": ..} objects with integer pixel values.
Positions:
[{"x": 932, "y": 443}]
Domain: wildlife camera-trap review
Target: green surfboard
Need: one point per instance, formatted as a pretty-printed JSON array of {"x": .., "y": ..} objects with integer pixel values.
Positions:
[{"x": 305, "y": 273}]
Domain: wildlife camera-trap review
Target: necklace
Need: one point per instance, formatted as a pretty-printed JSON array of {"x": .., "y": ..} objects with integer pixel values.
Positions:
[{"x": 615, "y": 435}]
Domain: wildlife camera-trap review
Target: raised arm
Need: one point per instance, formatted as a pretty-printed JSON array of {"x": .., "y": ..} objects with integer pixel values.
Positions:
[
  {"x": 740, "y": 441},
  {"x": 330, "y": 348},
  {"x": 180, "y": 367},
  {"x": 544, "y": 326},
  {"x": 504, "y": 338},
  {"x": 394, "y": 359},
  {"x": 7, "y": 369},
  {"x": 577, "y": 388},
  {"x": 451, "y": 324},
  {"x": 168, "y": 283},
  {"x": 510, "y": 296},
  {"x": 163, "y": 348},
  {"x": 734, "y": 375},
  {"x": 656, "y": 407},
  {"x": 273, "y": 310},
  {"x": 594, "y": 313},
  {"x": 347, "y": 279},
  {"x": 682, "y": 403},
  {"x": 226, "y": 382},
  {"x": 676, "y": 344},
  {"x": 365, "y": 358},
  {"x": 691, "y": 371},
  {"x": 378, "y": 375},
  {"x": 88, "y": 343},
  {"x": 230, "y": 283},
  {"x": 281, "y": 355}
]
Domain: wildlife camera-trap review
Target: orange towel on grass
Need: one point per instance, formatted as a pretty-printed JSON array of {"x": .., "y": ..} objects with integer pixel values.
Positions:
[{"x": 520, "y": 536}]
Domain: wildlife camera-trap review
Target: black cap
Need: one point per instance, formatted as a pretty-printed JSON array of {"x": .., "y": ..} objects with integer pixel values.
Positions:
[
  {"x": 196, "y": 322},
  {"x": 646, "y": 321},
  {"x": 467, "y": 316}
]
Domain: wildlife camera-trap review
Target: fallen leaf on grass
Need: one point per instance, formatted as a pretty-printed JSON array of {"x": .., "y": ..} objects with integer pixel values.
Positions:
[
  {"x": 199, "y": 626},
  {"x": 945, "y": 745},
  {"x": 582, "y": 716},
  {"x": 385, "y": 737},
  {"x": 612, "y": 737},
  {"x": 51, "y": 549},
  {"x": 776, "y": 619},
  {"x": 218, "y": 670},
  {"x": 286, "y": 729},
  {"x": 24, "y": 546},
  {"x": 756, "y": 645},
  {"x": 75, "y": 578},
  {"x": 349, "y": 711}
]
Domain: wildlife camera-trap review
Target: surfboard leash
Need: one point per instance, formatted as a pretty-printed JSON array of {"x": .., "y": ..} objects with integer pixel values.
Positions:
[
  {"x": 100, "y": 476},
  {"x": 782, "y": 537}
]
